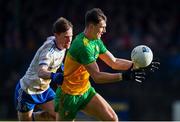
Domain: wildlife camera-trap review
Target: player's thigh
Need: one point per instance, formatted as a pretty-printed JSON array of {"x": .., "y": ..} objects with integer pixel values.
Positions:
[
  {"x": 25, "y": 115},
  {"x": 49, "y": 107},
  {"x": 99, "y": 108}
]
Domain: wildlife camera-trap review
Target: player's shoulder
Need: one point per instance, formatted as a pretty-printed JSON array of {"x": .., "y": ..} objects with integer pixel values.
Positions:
[
  {"x": 78, "y": 38},
  {"x": 49, "y": 44},
  {"x": 77, "y": 45},
  {"x": 49, "y": 41},
  {"x": 77, "y": 41}
]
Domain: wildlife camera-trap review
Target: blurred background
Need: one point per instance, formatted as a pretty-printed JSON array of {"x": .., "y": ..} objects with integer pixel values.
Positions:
[{"x": 25, "y": 25}]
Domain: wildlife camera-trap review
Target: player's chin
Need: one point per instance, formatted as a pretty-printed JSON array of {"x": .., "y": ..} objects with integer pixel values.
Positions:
[
  {"x": 67, "y": 46},
  {"x": 99, "y": 36}
]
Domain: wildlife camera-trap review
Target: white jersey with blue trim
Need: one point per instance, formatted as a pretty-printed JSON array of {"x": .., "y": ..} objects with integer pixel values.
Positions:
[{"x": 48, "y": 54}]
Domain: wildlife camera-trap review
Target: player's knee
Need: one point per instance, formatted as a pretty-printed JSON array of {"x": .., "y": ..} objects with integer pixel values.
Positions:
[
  {"x": 53, "y": 115},
  {"x": 48, "y": 116},
  {"x": 113, "y": 117},
  {"x": 25, "y": 118}
]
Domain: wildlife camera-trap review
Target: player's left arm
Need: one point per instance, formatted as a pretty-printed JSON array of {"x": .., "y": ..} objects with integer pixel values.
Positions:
[{"x": 115, "y": 63}]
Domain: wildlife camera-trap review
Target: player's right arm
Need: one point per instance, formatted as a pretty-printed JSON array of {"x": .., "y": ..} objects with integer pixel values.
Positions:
[
  {"x": 102, "y": 77},
  {"x": 43, "y": 72},
  {"x": 45, "y": 60}
]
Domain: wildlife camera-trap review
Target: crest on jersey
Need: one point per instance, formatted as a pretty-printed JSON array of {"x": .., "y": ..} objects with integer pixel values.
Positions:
[{"x": 85, "y": 41}]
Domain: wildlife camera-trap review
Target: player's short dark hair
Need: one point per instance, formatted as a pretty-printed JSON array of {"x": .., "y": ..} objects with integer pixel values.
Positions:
[
  {"x": 94, "y": 16},
  {"x": 61, "y": 25}
]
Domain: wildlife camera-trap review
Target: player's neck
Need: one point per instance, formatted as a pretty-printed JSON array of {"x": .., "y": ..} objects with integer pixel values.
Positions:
[
  {"x": 59, "y": 45},
  {"x": 88, "y": 34}
]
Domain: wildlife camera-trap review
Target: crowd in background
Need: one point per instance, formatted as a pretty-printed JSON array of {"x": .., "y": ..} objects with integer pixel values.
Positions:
[{"x": 25, "y": 25}]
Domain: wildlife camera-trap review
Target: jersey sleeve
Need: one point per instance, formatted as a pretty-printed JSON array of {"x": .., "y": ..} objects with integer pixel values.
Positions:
[
  {"x": 102, "y": 47},
  {"x": 45, "y": 57}
]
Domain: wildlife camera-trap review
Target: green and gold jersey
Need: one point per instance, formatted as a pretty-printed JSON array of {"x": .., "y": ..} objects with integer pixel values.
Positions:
[{"x": 82, "y": 52}]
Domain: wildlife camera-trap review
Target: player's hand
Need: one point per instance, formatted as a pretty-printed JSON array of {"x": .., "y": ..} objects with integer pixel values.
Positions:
[
  {"x": 138, "y": 75},
  {"x": 61, "y": 68},
  {"x": 57, "y": 78},
  {"x": 154, "y": 66}
]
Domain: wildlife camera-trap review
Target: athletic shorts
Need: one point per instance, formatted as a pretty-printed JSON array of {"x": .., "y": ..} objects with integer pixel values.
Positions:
[
  {"x": 68, "y": 105},
  {"x": 25, "y": 102}
]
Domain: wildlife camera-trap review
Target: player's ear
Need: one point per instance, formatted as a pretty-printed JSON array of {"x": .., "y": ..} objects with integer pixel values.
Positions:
[
  {"x": 55, "y": 34},
  {"x": 91, "y": 25}
]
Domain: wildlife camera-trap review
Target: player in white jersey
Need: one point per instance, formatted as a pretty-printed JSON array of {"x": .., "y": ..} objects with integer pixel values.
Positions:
[{"x": 34, "y": 87}]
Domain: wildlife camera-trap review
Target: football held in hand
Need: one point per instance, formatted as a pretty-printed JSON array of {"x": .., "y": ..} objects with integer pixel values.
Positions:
[{"x": 141, "y": 56}]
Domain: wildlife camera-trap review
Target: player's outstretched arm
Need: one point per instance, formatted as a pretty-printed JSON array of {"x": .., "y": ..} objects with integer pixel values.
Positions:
[
  {"x": 138, "y": 75},
  {"x": 104, "y": 77},
  {"x": 154, "y": 66},
  {"x": 115, "y": 63}
]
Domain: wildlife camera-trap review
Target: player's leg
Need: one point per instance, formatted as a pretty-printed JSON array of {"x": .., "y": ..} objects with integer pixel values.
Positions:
[
  {"x": 23, "y": 106},
  {"x": 66, "y": 106},
  {"x": 99, "y": 108},
  {"x": 25, "y": 116},
  {"x": 47, "y": 112},
  {"x": 46, "y": 105}
]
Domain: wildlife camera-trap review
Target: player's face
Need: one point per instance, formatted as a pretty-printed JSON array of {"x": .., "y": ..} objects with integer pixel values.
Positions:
[
  {"x": 65, "y": 38},
  {"x": 99, "y": 29}
]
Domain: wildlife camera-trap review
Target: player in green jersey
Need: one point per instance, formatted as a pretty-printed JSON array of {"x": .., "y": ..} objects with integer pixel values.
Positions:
[{"x": 76, "y": 93}]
